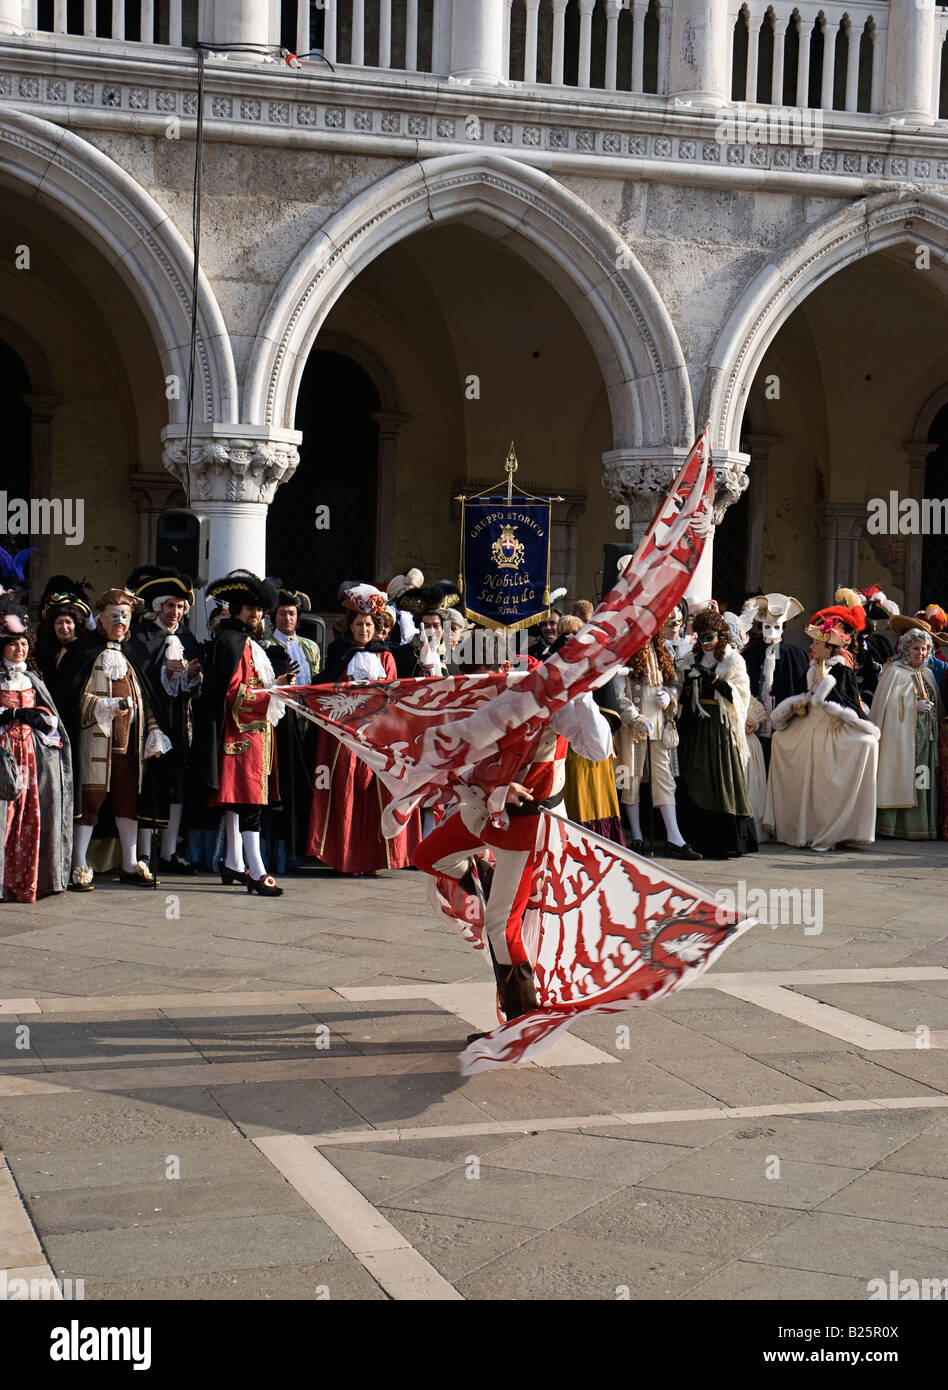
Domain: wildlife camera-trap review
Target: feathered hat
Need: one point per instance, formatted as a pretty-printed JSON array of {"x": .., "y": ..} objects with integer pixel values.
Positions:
[
  {"x": 243, "y": 588},
  {"x": 13, "y": 620},
  {"x": 155, "y": 583},
  {"x": 876, "y": 604},
  {"x": 13, "y": 567},
  {"x": 836, "y": 625},
  {"x": 365, "y": 598},
  {"x": 901, "y": 622},
  {"x": 402, "y": 583}
]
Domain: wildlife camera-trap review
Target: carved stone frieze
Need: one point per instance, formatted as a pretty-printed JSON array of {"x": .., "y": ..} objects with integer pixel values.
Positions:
[{"x": 231, "y": 469}]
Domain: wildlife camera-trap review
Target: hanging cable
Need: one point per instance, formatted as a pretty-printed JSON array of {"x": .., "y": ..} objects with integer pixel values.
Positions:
[{"x": 292, "y": 60}]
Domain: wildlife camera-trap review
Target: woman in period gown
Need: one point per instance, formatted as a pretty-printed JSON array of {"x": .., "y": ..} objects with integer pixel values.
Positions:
[
  {"x": 715, "y": 810},
  {"x": 906, "y": 709},
  {"x": 821, "y": 789},
  {"x": 36, "y": 826},
  {"x": 345, "y": 827}
]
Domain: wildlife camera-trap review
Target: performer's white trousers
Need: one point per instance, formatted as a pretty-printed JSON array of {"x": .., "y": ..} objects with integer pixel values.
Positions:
[{"x": 662, "y": 779}]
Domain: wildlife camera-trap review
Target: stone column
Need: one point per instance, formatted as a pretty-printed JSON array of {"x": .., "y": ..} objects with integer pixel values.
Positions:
[
  {"x": 910, "y": 62},
  {"x": 11, "y": 17},
  {"x": 235, "y": 471},
  {"x": 699, "y": 53},
  {"x": 730, "y": 480},
  {"x": 477, "y": 42},
  {"x": 842, "y": 526},
  {"x": 241, "y": 21},
  {"x": 153, "y": 493},
  {"x": 41, "y": 410},
  {"x": 760, "y": 446},
  {"x": 389, "y": 423},
  {"x": 918, "y": 455}
]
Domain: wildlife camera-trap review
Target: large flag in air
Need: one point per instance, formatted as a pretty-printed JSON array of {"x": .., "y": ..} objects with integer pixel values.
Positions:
[
  {"x": 464, "y": 739},
  {"x": 604, "y": 929}
]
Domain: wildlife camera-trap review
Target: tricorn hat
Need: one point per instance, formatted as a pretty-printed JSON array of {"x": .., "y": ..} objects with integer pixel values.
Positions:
[
  {"x": 243, "y": 588},
  {"x": 292, "y": 598},
  {"x": 120, "y": 596},
  {"x": 155, "y": 583},
  {"x": 14, "y": 620}
]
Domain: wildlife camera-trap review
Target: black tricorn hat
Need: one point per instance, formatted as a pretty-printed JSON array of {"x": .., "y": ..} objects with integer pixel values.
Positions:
[
  {"x": 294, "y": 598},
  {"x": 62, "y": 584},
  {"x": 432, "y": 597},
  {"x": 154, "y": 583},
  {"x": 243, "y": 588}
]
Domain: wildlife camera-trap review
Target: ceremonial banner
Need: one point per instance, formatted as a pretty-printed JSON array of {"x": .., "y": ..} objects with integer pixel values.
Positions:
[
  {"x": 604, "y": 929},
  {"x": 505, "y": 560}
]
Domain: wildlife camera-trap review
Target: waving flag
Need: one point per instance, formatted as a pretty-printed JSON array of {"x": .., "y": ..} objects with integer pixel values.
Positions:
[
  {"x": 462, "y": 739},
  {"x": 604, "y": 928}
]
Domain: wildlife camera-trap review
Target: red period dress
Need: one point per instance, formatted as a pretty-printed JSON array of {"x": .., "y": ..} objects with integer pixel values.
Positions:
[
  {"x": 345, "y": 825},
  {"x": 249, "y": 763},
  {"x": 22, "y": 827}
]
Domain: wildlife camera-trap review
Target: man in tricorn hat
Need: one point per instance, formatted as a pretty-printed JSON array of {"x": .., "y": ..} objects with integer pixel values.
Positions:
[
  {"x": 112, "y": 728},
  {"x": 295, "y": 736},
  {"x": 235, "y": 757},
  {"x": 167, "y": 656}
]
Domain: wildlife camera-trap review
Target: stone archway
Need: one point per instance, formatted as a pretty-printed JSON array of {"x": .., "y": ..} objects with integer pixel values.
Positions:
[
  {"x": 879, "y": 223},
  {"x": 580, "y": 255},
  {"x": 139, "y": 240}
]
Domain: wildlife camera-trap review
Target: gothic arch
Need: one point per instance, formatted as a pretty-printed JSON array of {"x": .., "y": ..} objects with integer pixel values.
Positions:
[
  {"x": 582, "y": 257},
  {"x": 904, "y": 217},
  {"x": 59, "y": 170}
]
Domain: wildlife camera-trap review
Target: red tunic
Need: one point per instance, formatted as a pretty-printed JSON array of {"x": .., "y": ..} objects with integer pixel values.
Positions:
[
  {"x": 345, "y": 824},
  {"x": 21, "y": 823},
  {"x": 249, "y": 756}
]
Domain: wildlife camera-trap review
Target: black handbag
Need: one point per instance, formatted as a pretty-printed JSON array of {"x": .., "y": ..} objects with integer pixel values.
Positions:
[{"x": 11, "y": 775}]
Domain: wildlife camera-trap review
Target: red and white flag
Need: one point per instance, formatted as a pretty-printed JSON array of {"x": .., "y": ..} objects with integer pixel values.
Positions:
[{"x": 605, "y": 929}]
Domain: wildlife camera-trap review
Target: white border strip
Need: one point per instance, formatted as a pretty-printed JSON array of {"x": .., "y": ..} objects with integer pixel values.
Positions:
[{"x": 391, "y": 1260}]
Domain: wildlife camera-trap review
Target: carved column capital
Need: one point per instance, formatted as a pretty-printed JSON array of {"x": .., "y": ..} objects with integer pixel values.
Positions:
[
  {"x": 232, "y": 463},
  {"x": 641, "y": 477},
  {"x": 730, "y": 480}
]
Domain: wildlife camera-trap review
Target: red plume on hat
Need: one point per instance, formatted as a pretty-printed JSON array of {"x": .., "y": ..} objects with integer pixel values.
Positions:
[{"x": 852, "y": 617}]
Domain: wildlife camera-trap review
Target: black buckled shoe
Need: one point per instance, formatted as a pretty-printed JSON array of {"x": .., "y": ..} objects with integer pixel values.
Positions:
[
  {"x": 681, "y": 852},
  {"x": 141, "y": 876},
  {"x": 267, "y": 886},
  {"x": 176, "y": 865}
]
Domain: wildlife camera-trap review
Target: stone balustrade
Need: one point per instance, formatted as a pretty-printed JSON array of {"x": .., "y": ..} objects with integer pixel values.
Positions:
[{"x": 877, "y": 57}]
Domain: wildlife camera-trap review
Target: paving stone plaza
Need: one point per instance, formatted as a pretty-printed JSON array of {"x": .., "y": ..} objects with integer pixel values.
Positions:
[{"x": 227, "y": 1097}]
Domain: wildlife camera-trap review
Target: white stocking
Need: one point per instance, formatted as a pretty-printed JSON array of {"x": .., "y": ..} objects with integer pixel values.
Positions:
[
  {"x": 672, "y": 832},
  {"x": 169, "y": 836},
  {"x": 128, "y": 839},
  {"x": 635, "y": 820},
  {"x": 144, "y": 844},
  {"x": 251, "y": 839},
  {"x": 234, "y": 855},
  {"x": 81, "y": 835}
]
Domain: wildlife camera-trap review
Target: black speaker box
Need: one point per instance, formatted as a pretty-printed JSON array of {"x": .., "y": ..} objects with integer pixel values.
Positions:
[{"x": 183, "y": 540}]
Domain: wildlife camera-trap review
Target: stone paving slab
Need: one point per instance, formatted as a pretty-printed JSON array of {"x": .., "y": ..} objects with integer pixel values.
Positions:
[
  {"x": 37, "y": 1123},
  {"x": 192, "y": 1247},
  {"x": 680, "y": 1221},
  {"x": 906, "y": 1197},
  {"x": 457, "y": 1245},
  {"x": 290, "y": 1107},
  {"x": 728, "y": 1169},
  {"x": 847, "y": 1245},
  {"x": 339, "y": 1278},
  {"x": 745, "y": 1280},
  {"x": 557, "y": 1265},
  {"x": 502, "y": 1195},
  {"x": 587, "y": 1156},
  {"x": 847, "y": 1075},
  {"x": 138, "y": 1162}
]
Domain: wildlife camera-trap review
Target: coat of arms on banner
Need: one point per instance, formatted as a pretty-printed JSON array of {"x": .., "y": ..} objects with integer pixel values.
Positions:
[{"x": 507, "y": 550}]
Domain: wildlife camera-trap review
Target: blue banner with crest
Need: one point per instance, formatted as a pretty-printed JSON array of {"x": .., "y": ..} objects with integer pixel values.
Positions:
[{"x": 505, "y": 560}]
